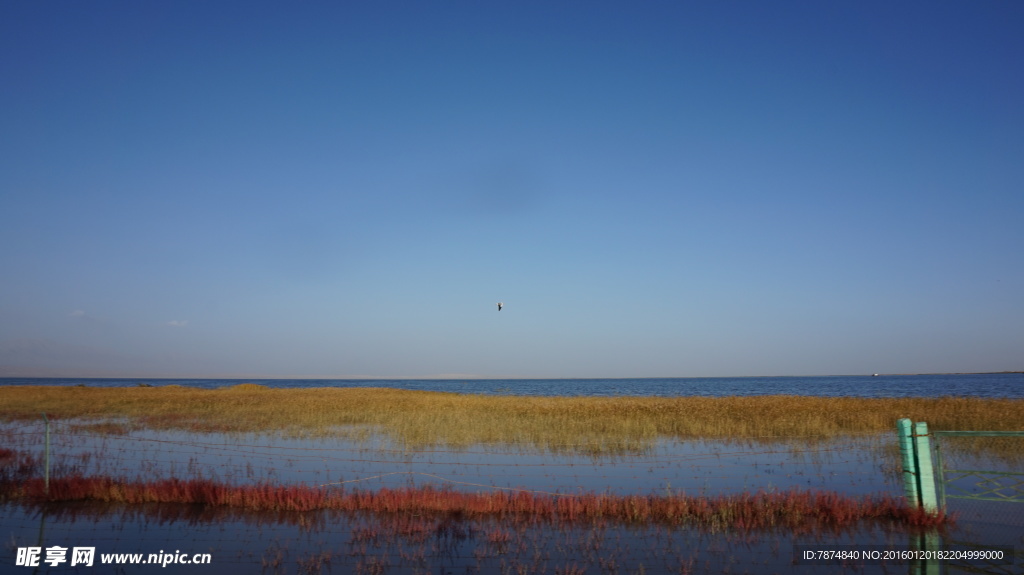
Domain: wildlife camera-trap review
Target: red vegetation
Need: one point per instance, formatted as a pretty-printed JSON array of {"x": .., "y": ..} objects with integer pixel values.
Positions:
[
  {"x": 796, "y": 510},
  {"x": 16, "y": 466}
]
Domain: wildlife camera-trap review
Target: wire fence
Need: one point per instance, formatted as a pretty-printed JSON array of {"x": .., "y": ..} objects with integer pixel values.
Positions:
[
  {"x": 853, "y": 465},
  {"x": 979, "y": 477}
]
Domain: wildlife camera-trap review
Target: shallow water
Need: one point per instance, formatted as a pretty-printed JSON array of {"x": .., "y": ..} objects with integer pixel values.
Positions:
[
  {"x": 852, "y": 465},
  {"x": 246, "y": 542},
  {"x": 330, "y": 542}
]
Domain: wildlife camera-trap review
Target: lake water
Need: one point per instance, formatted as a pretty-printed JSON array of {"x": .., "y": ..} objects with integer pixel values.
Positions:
[
  {"x": 976, "y": 385},
  {"x": 326, "y": 542},
  {"x": 242, "y": 541}
]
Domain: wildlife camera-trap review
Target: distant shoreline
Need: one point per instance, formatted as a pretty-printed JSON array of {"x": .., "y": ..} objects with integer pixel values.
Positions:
[{"x": 473, "y": 377}]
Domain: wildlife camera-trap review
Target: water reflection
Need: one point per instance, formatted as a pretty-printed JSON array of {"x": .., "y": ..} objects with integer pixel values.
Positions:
[
  {"x": 242, "y": 542},
  {"x": 851, "y": 465},
  {"x": 330, "y": 541}
]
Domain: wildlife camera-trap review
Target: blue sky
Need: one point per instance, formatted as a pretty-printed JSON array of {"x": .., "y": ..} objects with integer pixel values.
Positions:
[{"x": 652, "y": 189}]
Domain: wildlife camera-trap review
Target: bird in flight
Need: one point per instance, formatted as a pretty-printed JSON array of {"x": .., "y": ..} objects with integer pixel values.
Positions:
[{"x": 499, "y": 305}]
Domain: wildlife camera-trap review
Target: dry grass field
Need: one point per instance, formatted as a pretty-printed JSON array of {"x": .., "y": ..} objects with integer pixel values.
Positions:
[{"x": 420, "y": 419}]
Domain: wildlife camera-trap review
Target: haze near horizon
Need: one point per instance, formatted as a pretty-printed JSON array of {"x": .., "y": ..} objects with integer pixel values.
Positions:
[{"x": 656, "y": 190}]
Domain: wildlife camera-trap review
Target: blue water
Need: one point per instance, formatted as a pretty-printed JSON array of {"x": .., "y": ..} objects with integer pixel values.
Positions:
[{"x": 974, "y": 385}]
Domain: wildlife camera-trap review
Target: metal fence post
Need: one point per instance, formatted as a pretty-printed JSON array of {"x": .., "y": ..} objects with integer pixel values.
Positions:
[
  {"x": 930, "y": 542},
  {"x": 925, "y": 469},
  {"x": 904, "y": 429},
  {"x": 940, "y": 474}
]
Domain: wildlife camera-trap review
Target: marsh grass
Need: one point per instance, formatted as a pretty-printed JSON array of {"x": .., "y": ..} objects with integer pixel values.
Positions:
[
  {"x": 982, "y": 452},
  {"x": 797, "y": 510},
  {"x": 418, "y": 419}
]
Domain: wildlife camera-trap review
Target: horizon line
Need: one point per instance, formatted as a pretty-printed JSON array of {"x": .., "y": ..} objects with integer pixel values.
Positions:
[{"x": 19, "y": 374}]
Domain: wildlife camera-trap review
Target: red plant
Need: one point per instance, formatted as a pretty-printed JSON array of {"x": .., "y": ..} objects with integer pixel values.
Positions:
[
  {"x": 15, "y": 467},
  {"x": 797, "y": 510}
]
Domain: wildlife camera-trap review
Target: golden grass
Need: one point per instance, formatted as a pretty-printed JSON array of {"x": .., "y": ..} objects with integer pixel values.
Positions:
[{"x": 561, "y": 424}]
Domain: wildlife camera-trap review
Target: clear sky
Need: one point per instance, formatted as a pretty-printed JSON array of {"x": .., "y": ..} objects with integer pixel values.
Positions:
[{"x": 651, "y": 188}]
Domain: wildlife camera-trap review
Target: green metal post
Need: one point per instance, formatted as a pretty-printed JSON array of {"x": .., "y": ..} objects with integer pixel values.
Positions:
[
  {"x": 932, "y": 542},
  {"x": 904, "y": 430},
  {"x": 928, "y": 541},
  {"x": 925, "y": 469}
]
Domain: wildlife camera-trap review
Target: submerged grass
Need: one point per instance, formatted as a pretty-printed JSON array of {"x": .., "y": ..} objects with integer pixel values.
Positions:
[{"x": 419, "y": 419}]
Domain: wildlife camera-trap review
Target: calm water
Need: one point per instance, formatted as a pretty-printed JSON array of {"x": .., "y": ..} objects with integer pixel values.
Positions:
[
  {"x": 242, "y": 542},
  {"x": 977, "y": 385}
]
